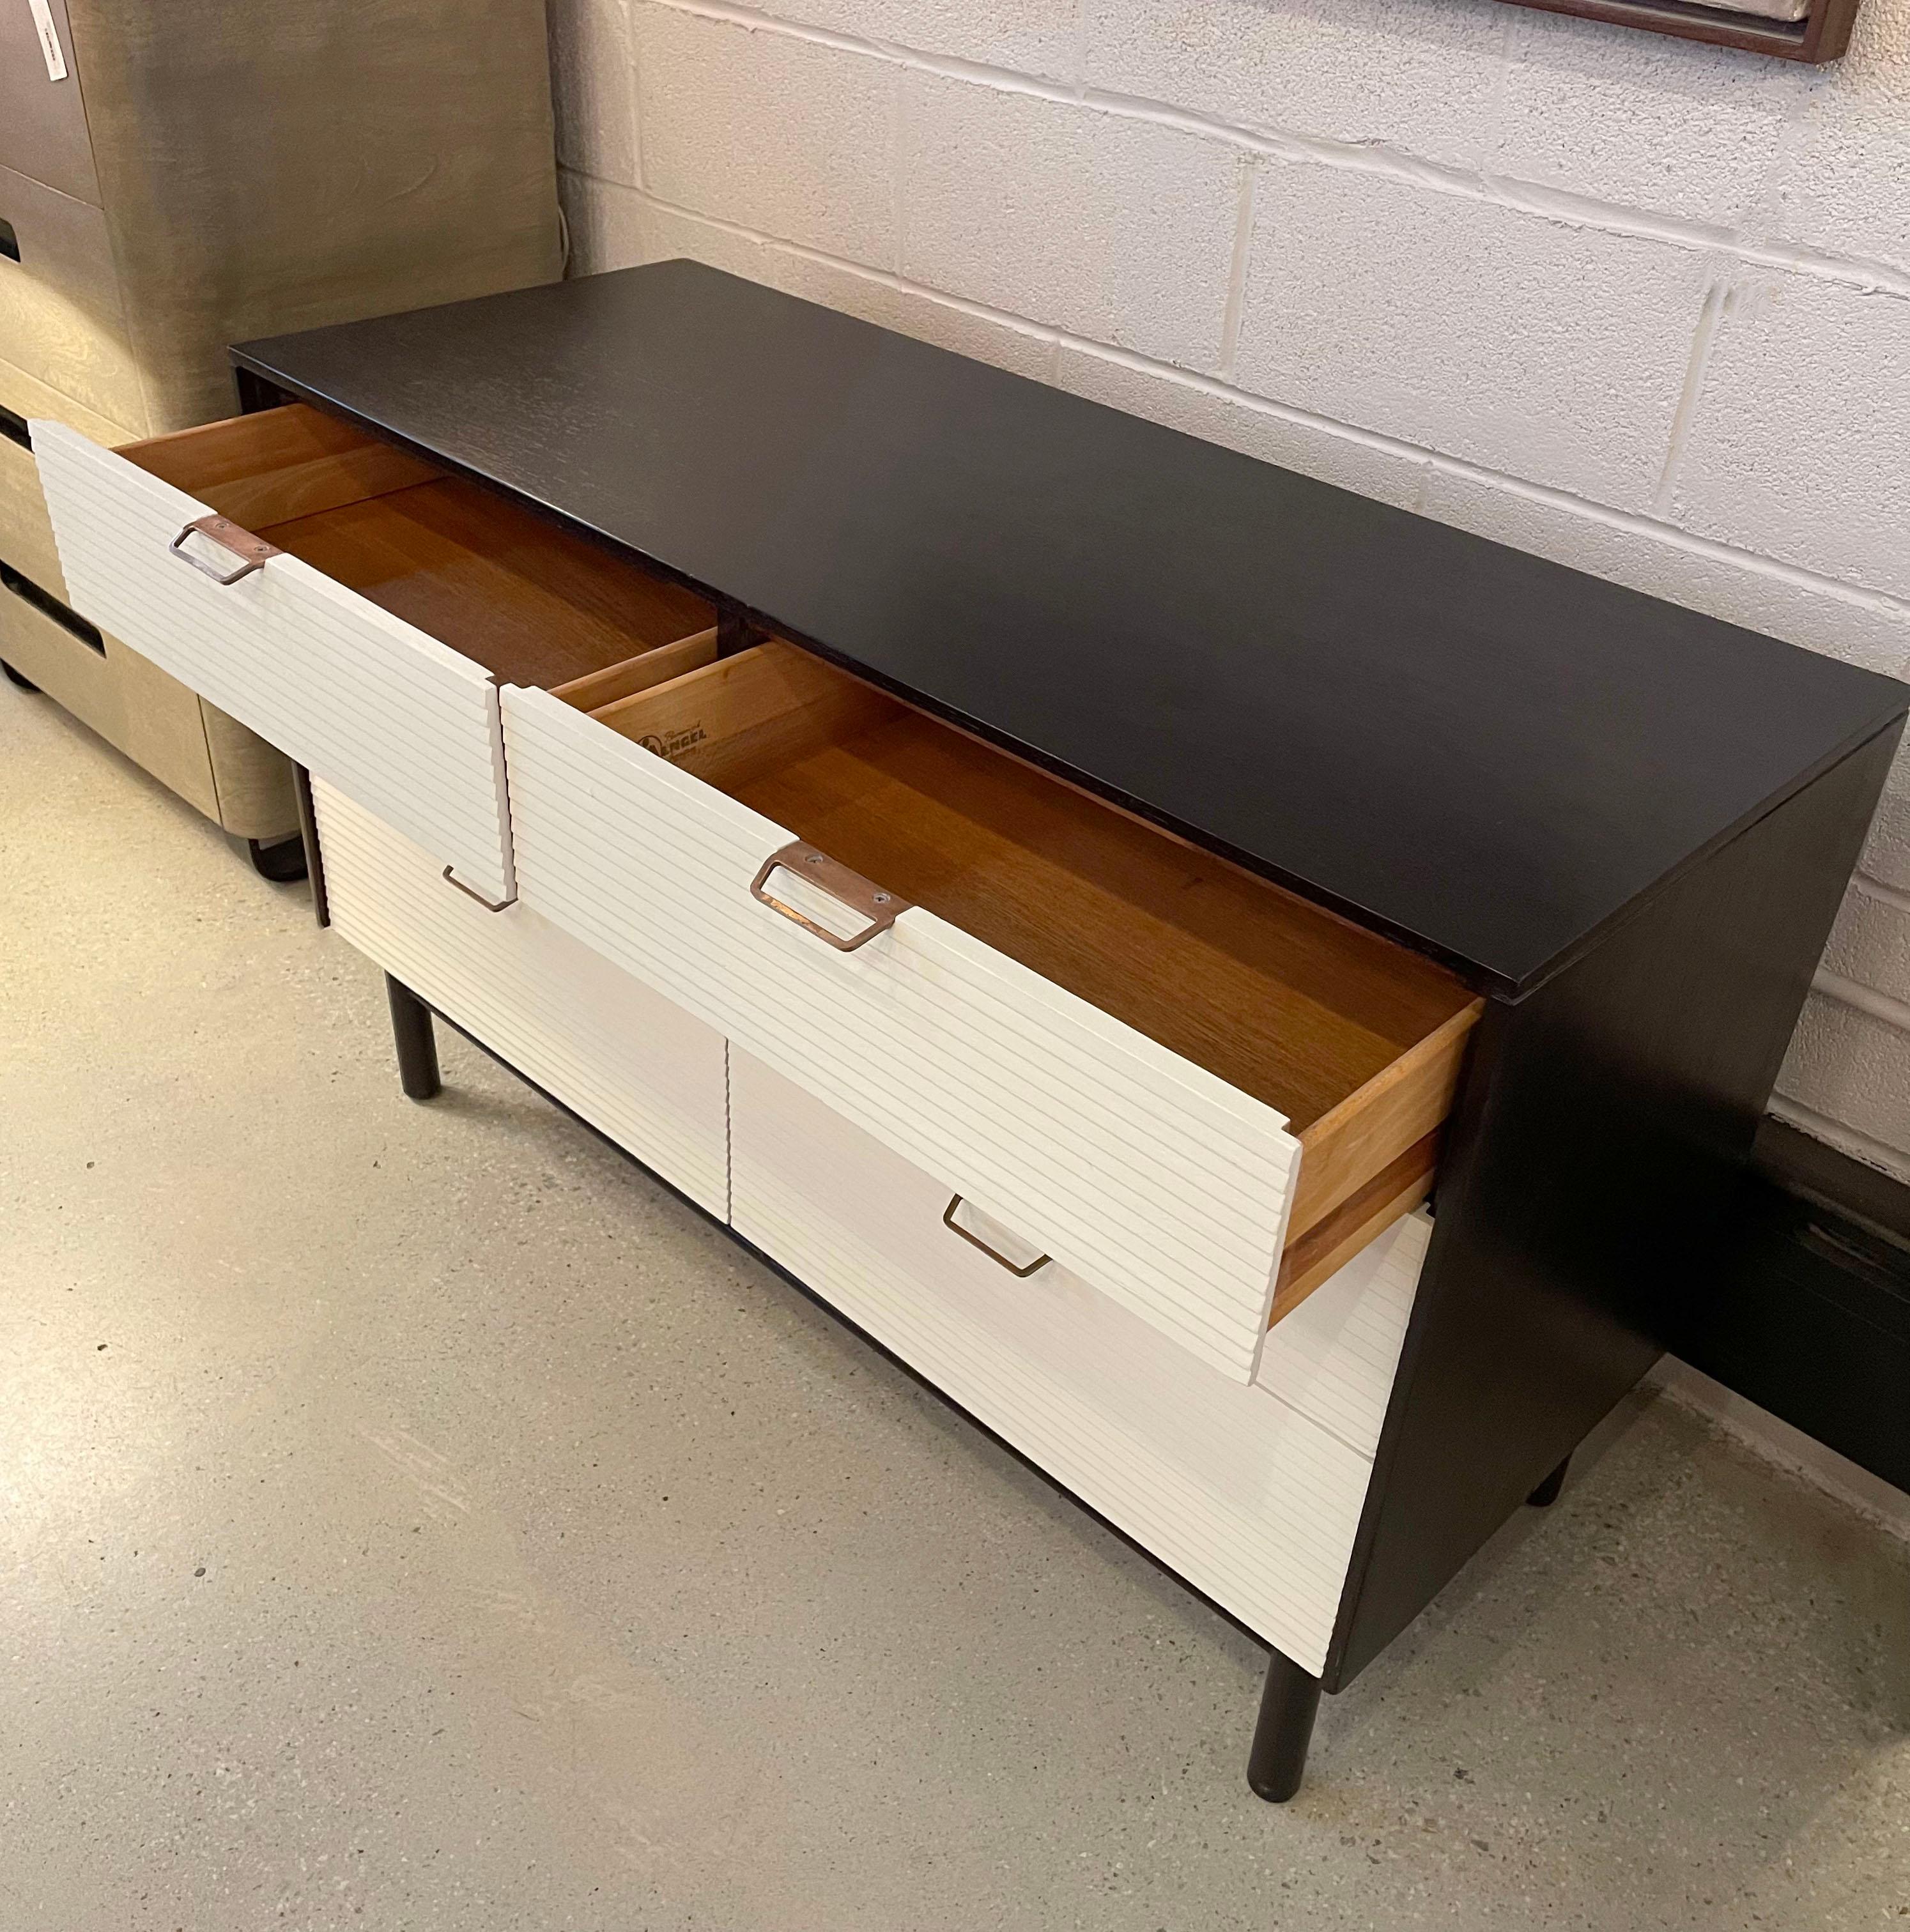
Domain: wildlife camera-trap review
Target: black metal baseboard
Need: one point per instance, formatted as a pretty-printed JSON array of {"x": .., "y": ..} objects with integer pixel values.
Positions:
[{"x": 1809, "y": 1317}]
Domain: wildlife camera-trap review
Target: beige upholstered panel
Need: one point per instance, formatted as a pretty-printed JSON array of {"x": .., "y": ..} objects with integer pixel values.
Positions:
[{"x": 316, "y": 162}]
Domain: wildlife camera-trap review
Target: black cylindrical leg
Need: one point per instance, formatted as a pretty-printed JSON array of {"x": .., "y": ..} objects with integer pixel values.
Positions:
[
  {"x": 1278, "y": 1759},
  {"x": 417, "y": 1045},
  {"x": 1546, "y": 1494}
]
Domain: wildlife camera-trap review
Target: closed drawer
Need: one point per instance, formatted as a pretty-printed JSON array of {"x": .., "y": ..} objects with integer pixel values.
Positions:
[
  {"x": 368, "y": 644},
  {"x": 1100, "y": 1038},
  {"x": 43, "y": 122},
  {"x": 26, "y": 532},
  {"x": 638, "y": 1069},
  {"x": 132, "y": 704},
  {"x": 1250, "y": 1498},
  {"x": 59, "y": 652},
  {"x": 60, "y": 313}
]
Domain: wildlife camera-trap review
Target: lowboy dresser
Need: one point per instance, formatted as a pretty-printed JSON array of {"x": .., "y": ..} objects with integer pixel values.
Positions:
[{"x": 1260, "y": 997}]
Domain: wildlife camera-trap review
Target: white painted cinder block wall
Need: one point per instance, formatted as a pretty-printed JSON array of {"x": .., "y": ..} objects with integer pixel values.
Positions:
[{"x": 1636, "y": 304}]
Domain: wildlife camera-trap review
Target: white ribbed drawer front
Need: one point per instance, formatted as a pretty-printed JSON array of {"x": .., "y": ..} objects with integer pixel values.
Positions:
[
  {"x": 1335, "y": 1356},
  {"x": 637, "y": 1068},
  {"x": 401, "y": 722},
  {"x": 1249, "y": 1499},
  {"x": 1161, "y": 1184}
]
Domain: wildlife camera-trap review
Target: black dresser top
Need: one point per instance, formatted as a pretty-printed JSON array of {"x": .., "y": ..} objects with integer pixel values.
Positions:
[{"x": 1487, "y": 754}]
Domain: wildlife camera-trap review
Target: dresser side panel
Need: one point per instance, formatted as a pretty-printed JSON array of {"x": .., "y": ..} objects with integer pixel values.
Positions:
[{"x": 1604, "y": 1127}]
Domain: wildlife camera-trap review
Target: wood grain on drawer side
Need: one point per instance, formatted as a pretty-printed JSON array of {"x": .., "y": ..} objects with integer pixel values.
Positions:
[
  {"x": 281, "y": 463},
  {"x": 1357, "y": 1044}
]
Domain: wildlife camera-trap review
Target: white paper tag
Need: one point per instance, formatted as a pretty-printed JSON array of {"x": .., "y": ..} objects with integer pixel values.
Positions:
[{"x": 49, "y": 39}]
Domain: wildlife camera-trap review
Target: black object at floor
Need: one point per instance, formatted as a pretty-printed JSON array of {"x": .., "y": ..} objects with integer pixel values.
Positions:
[
  {"x": 1547, "y": 1493},
  {"x": 416, "y": 1044},
  {"x": 1808, "y": 1315},
  {"x": 281, "y": 862},
  {"x": 1289, "y": 1703},
  {"x": 13, "y": 677}
]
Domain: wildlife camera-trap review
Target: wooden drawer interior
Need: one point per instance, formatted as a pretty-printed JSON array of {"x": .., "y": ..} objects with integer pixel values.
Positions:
[
  {"x": 1357, "y": 1042},
  {"x": 532, "y": 603}
]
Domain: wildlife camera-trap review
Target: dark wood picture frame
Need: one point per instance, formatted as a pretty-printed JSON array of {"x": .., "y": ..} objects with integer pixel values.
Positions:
[{"x": 1821, "y": 35}]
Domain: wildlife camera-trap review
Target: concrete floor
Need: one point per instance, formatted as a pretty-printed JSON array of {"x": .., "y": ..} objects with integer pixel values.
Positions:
[{"x": 418, "y": 1519}]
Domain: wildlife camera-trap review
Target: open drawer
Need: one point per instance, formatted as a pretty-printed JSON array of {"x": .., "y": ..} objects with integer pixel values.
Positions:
[
  {"x": 1191, "y": 1088},
  {"x": 354, "y": 606}
]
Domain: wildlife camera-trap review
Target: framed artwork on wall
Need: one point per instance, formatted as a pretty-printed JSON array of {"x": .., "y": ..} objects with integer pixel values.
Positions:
[{"x": 1815, "y": 31}]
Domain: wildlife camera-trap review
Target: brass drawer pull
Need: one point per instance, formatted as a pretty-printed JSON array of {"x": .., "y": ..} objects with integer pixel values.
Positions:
[
  {"x": 881, "y": 908},
  {"x": 489, "y": 905},
  {"x": 253, "y": 552},
  {"x": 955, "y": 1227}
]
